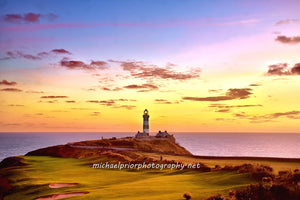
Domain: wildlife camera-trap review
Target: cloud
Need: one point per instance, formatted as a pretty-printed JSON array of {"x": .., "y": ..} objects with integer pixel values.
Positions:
[
  {"x": 239, "y": 22},
  {"x": 11, "y": 90},
  {"x": 51, "y": 16},
  {"x": 160, "y": 100},
  {"x": 290, "y": 114},
  {"x": 278, "y": 69},
  {"x": 19, "y": 54},
  {"x": 128, "y": 107},
  {"x": 107, "y": 102},
  {"x": 165, "y": 101},
  {"x": 233, "y": 93},
  {"x": 182, "y": 23},
  {"x": 233, "y": 106},
  {"x": 113, "y": 103},
  {"x": 143, "y": 86},
  {"x": 5, "y": 82},
  {"x": 59, "y": 111},
  {"x": 75, "y": 64},
  {"x": 254, "y": 85},
  {"x": 296, "y": 69},
  {"x": 60, "y": 51},
  {"x": 12, "y": 124},
  {"x": 125, "y": 100},
  {"x": 215, "y": 90},
  {"x": 240, "y": 115},
  {"x": 287, "y": 21},
  {"x": 113, "y": 89},
  {"x": 140, "y": 69},
  {"x": 53, "y": 97},
  {"x": 98, "y": 63},
  {"x": 70, "y": 101},
  {"x": 28, "y": 17},
  {"x": 281, "y": 69},
  {"x": 268, "y": 117},
  {"x": 103, "y": 102},
  {"x": 223, "y": 110},
  {"x": 95, "y": 114},
  {"x": 17, "y": 18},
  {"x": 90, "y": 89},
  {"x": 15, "y": 105},
  {"x": 93, "y": 101},
  {"x": 53, "y": 101},
  {"x": 227, "y": 108},
  {"x": 288, "y": 40},
  {"x": 82, "y": 108},
  {"x": 224, "y": 119},
  {"x": 35, "y": 92}
]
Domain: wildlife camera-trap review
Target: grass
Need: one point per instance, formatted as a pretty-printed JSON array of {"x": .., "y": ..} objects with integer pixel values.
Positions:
[
  {"x": 32, "y": 181},
  {"x": 211, "y": 162}
]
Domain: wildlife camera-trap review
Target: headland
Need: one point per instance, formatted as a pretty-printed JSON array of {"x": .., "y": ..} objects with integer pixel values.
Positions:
[{"x": 68, "y": 171}]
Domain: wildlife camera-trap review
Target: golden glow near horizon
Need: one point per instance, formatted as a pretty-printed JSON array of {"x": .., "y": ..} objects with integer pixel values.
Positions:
[
  {"x": 101, "y": 110},
  {"x": 225, "y": 75}
]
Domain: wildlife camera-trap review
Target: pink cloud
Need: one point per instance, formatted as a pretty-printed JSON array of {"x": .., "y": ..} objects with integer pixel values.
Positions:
[
  {"x": 76, "y": 64},
  {"x": 28, "y": 17},
  {"x": 186, "y": 23},
  {"x": 38, "y": 56}
]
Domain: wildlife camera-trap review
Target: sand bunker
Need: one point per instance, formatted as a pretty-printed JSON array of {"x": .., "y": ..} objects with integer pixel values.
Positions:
[
  {"x": 61, "y": 196},
  {"x": 60, "y": 185}
]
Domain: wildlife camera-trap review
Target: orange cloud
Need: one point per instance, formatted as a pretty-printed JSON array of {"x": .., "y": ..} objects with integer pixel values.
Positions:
[
  {"x": 140, "y": 69},
  {"x": 11, "y": 90},
  {"x": 5, "y": 82},
  {"x": 53, "y": 97},
  {"x": 281, "y": 69},
  {"x": 233, "y": 93}
]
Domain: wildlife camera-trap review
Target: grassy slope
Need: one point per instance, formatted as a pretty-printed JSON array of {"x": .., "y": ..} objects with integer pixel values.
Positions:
[
  {"x": 155, "y": 145},
  {"x": 211, "y": 162},
  {"x": 115, "y": 184}
]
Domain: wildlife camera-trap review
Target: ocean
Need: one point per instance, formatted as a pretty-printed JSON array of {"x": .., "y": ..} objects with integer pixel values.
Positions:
[{"x": 283, "y": 145}]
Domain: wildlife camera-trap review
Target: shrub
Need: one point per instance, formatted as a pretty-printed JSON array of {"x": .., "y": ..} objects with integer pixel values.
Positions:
[
  {"x": 187, "y": 196},
  {"x": 216, "y": 197},
  {"x": 259, "y": 192}
]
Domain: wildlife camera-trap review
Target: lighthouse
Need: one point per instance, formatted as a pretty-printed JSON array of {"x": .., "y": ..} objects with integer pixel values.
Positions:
[
  {"x": 145, "y": 133},
  {"x": 146, "y": 122}
]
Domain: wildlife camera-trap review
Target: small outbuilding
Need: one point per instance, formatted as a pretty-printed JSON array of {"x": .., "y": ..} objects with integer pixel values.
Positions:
[
  {"x": 162, "y": 134},
  {"x": 165, "y": 135}
]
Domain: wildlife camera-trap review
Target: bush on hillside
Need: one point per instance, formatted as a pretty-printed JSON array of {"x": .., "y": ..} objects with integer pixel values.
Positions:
[{"x": 187, "y": 196}]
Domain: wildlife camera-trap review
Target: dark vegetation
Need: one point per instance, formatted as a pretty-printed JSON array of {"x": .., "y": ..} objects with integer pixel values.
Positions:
[
  {"x": 12, "y": 161},
  {"x": 5, "y": 187},
  {"x": 283, "y": 186},
  {"x": 187, "y": 196}
]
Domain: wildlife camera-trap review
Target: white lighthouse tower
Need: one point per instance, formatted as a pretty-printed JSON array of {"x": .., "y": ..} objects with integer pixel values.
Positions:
[
  {"x": 145, "y": 132},
  {"x": 146, "y": 122}
]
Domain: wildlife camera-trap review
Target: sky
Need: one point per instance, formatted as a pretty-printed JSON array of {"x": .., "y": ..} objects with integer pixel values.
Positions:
[{"x": 197, "y": 66}]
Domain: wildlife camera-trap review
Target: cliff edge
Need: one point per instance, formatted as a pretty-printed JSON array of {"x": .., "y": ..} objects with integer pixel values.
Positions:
[{"x": 98, "y": 147}]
